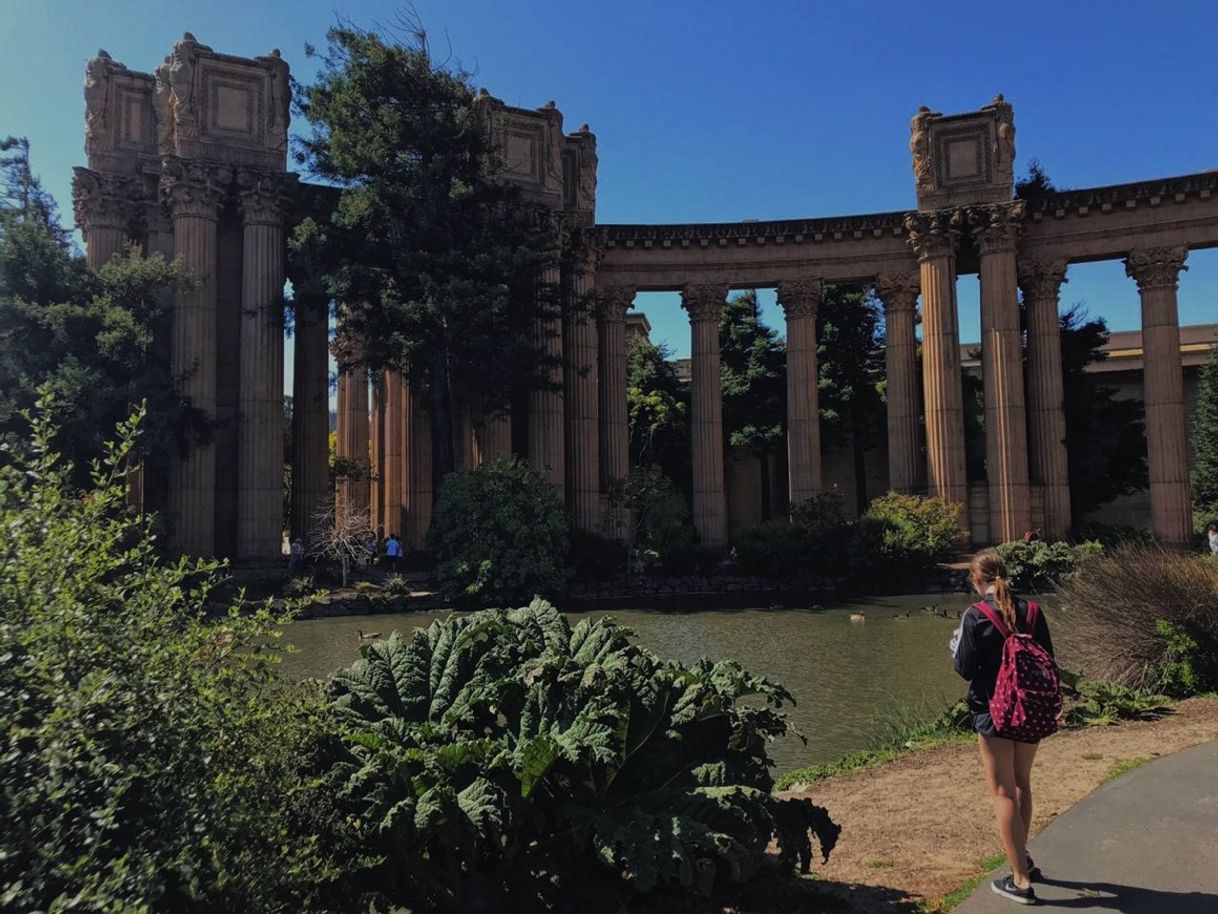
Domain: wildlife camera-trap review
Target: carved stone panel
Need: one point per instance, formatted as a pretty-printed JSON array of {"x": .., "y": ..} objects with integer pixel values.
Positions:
[
  {"x": 528, "y": 147},
  {"x": 963, "y": 158}
]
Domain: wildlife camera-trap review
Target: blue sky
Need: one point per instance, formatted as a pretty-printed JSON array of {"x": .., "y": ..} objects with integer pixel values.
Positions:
[{"x": 716, "y": 110}]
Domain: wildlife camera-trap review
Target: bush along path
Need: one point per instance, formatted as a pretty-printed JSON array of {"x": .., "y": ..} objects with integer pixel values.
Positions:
[{"x": 920, "y": 826}]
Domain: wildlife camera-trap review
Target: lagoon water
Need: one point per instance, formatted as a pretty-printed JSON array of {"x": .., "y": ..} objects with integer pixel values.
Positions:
[{"x": 848, "y": 678}]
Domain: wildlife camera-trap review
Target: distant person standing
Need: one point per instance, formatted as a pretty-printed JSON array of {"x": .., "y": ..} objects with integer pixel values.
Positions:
[
  {"x": 295, "y": 554},
  {"x": 371, "y": 548},
  {"x": 393, "y": 552},
  {"x": 1212, "y": 533}
]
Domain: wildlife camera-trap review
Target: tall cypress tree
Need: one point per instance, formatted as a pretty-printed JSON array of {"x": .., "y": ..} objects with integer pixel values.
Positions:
[{"x": 1205, "y": 437}]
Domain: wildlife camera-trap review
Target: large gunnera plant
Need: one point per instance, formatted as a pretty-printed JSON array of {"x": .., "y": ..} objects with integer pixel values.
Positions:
[{"x": 504, "y": 761}]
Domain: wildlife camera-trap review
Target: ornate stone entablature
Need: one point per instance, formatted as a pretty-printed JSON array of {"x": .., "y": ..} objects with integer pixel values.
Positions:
[
  {"x": 614, "y": 301},
  {"x": 934, "y": 234},
  {"x": 741, "y": 234},
  {"x": 579, "y": 164},
  {"x": 528, "y": 146},
  {"x": 800, "y": 297},
  {"x": 264, "y": 196},
  {"x": 898, "y": 291},
  {"x": 1156, "y": 268},
  {"x": 1116, "y": 197}
]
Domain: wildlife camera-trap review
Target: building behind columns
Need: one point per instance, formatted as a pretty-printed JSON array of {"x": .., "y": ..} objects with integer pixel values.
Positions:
[{"x": 190, "y": 161}]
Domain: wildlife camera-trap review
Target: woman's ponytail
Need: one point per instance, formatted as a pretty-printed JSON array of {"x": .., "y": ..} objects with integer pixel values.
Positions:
[
  {"x": 988, "y": 568},
  {"x": 1004, "y": 599}
]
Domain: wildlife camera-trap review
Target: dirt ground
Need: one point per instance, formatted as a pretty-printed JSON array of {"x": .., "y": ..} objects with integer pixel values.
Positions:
[{"x": 914, "y": 829}]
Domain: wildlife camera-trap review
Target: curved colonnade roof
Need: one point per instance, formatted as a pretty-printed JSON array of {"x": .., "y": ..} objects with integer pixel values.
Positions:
[{"x": 1097, "y": 223}]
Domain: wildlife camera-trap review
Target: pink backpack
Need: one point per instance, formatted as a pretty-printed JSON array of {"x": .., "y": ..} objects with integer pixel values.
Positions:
[{"x": 1027, "y": 694}]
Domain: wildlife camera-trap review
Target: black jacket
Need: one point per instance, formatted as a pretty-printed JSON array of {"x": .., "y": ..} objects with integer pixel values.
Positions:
[{"x": 979, "y": 651}]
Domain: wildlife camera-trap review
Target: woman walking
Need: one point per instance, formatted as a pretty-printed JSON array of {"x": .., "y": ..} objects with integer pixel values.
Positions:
[{"x": 1003, "y": 648}]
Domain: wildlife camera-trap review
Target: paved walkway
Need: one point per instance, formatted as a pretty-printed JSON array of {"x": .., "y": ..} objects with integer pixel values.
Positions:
[{"x": 1146, "y": 843}]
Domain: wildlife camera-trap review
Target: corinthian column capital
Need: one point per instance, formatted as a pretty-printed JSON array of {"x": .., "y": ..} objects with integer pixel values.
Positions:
[
  {"x": 613, "y": 302},
  {"x": 1156, "y": 268},
  {"x": 933, "y": 234},
  {"x": 898, "y": 291},
  {"x": 800, "y": 297},
  {"x": 103, "y": 199},
  {"x": 263, "y": 196},
  {"x": 194, "y": 188},
  {"x": 704, "y": 301},
  {"x": 1041, "y": 279},
  {"x": 996, "y": 227}
]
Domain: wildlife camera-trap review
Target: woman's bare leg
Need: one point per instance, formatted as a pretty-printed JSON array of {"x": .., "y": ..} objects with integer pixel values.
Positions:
[
  {"x": 998, "y": 760},
  {"x": 1025, "y": 755}
]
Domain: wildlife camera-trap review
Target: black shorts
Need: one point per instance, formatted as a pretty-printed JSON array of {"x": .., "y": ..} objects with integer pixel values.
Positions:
[{"x": 983, "y": 725}]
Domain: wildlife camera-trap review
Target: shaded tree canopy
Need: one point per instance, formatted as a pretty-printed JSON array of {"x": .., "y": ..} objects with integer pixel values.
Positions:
[
  {"x": 434, "y": 261},
  {"x": 1105, "y": 438},
  {"x": 754, "y": 375},
  {"x": 657, "y": 412},
  {"x": 1035, "y": 182},
  {"x": 90, "y": 338}
]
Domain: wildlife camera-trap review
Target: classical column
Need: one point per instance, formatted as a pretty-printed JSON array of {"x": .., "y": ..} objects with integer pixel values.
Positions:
[
  {"x": 417, "y": 501},
  {"x": 353, "y": 442},
  {"x": 546, "y": 403},
  {"x": 194, "y": 193},
  {"x": 392, "y": 469},
  {"x": 899, "y": 293},
  {"x": 933, "y": 237},
  {"x": 996, "y": 231},
  {"x": 260, "y": 416},
  {"x": 1156, "y": 271},
  {"x": 104, "y": 205},
  {"x": 1041, "y": 282},
  {"x": 704, "y": 303},
  {"x": 800, "y": 300},
  {"x": 376, "y": 452},
  {"x": 612, "y": 304},
  {"x": 310, "y": 410},
  {"x": 581, "y": 383}
]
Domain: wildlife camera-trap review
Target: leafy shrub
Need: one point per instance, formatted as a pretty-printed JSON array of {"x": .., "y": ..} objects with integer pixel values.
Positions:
[
  {"x": 594, "y": 557},
  {"x": 823, "y": 519},
  {"x": 901, "y": 534},
  {"x": 776, "y": 549},
  {"x": 1114, "y": 605},
  {"x": 1092, "y": 702},
  {"x": 689, "y": 559},
  {"x": 1111, "y": 535},
  {"x": 502, "y": 761},
  {"x": 1182, "y": 671},
  {"x": 397, "y": 587},
  {"x": 659, "y": 514},
  {"x": 148, "y": 756},
  {"x": 1039, "y": 565},
  {"x": 498, "y": 535}
]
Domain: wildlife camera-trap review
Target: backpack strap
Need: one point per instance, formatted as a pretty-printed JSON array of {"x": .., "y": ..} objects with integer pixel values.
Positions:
[
  {"x": 1033, "y": 612},
  {"x": 995, "y": 619}
]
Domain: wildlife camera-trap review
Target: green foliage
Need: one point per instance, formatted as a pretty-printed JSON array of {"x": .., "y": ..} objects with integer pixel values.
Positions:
[
  {"x": 902, "y": 534},
  {"x": 775, "y": 549},
  {"x": 690, "y": 558},
  {"x": 1112, "y": 535},
  {"x": 659, "y": 515},
  {"x": 148, "y": 756},
  {"x": 754, "y": 377},
  {"x": 498, "y": 535},
  {"x": 1036, "y": 182},
  {"x": 1124, "y": 767},
  {"x": 1183, "y": 670},
  {"x": 657, "y": 404},
  {"x": 504, "y": 761},
  {"x": 1092, "y": 702},
  {"x": 89, "y": 338},
  {"x": 824, "y": 522},
  {"x": 1041, "y": 565},
  {"x": 1205, "y": 438},
  {"x": 441, "y": 257}
]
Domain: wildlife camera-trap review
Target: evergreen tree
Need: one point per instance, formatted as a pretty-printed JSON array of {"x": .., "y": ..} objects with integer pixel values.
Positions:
[
  {"x": 1105, "y": 439},
  {"x": 434, "y": 260},
  {"x": 850, "y": 362},
  {"x": 657, "y": 412},
  {"x": 1205, "y": 437},
  {"x": 754, "y": 376},
  {"x": 90, "y": 339}
]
